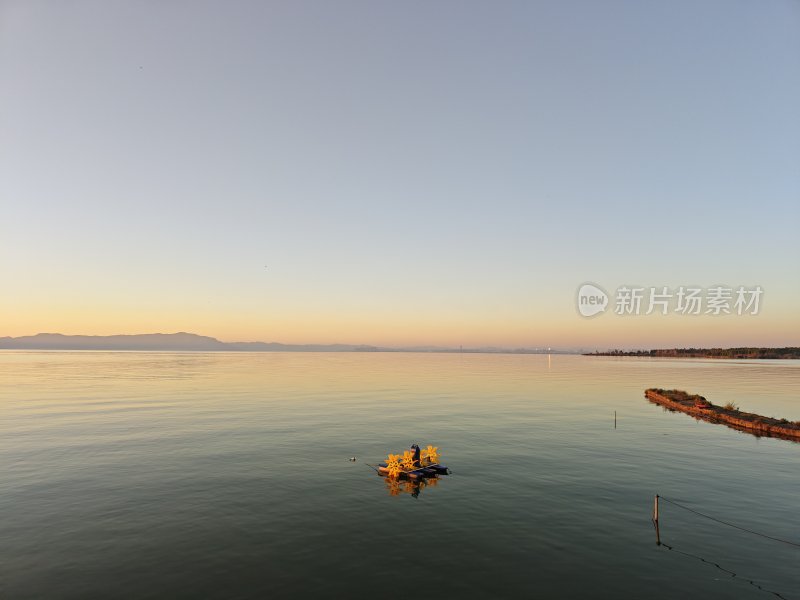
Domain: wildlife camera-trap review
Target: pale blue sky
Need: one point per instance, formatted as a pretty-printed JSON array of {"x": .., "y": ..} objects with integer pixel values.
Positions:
[{"x": 404, "y": 170}]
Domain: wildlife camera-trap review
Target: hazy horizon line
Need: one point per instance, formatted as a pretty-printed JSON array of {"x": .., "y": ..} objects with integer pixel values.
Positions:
[
  {"x": 212, "y": 339},
  {"x": 212, "y": 343}
]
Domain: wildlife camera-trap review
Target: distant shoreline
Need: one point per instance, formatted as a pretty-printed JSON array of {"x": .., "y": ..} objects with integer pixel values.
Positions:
[
  {"x": 190, "y": 342},
  {"x": 300, "y": 351},
  {"x": 788, "y": 353}
]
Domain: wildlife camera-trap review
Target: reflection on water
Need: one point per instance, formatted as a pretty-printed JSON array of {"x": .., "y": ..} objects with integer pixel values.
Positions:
[
  {"x": 715, "y": 564},
  {"x": 397, "y": 487},
  {"x": 220, "y": 475}
]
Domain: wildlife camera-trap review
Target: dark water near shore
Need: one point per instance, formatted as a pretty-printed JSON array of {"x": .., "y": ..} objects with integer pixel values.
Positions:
[{"x": 225, "y": 475}]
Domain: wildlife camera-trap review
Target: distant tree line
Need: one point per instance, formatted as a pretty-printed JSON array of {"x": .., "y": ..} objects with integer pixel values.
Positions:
[{"x": 781, "y": 353}]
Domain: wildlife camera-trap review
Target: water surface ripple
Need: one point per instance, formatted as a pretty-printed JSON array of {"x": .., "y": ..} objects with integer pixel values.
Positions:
[{"x": 225, "y": 475}]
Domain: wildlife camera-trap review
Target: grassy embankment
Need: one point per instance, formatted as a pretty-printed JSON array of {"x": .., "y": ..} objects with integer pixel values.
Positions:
[{"x": 730, "y": 415}]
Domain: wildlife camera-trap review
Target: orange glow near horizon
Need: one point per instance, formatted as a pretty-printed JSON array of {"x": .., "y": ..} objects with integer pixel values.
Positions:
[
  {"x": 563, "y": 330},
  {"x": 281, "y": 185}
]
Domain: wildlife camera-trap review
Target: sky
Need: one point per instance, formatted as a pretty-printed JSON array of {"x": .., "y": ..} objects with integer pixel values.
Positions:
[{"x": 398, "y": 173}]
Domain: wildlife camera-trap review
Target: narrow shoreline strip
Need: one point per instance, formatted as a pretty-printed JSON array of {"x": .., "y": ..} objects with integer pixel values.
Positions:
[{"x": 700, "y": 408}]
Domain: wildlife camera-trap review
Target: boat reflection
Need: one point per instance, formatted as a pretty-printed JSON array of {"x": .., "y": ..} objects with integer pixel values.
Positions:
[{"x": 414, "y": 487}]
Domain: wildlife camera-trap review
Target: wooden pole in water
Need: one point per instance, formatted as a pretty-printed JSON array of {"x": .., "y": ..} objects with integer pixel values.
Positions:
[
  {"x": 615, "y": 419},
  {"x": 655, "y": 520},
  {"x": 655, "y": 509}
]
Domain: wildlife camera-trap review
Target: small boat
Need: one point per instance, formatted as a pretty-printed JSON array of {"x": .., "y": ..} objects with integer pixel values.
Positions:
[{"x": 403, "y": 466}]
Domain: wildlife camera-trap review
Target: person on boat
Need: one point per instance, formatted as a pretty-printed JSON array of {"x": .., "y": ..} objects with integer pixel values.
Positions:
[{"x": 416, "y": 450}]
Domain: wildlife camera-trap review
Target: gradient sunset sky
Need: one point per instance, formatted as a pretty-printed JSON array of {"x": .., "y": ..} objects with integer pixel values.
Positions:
[{"x": 397, "y": 173}]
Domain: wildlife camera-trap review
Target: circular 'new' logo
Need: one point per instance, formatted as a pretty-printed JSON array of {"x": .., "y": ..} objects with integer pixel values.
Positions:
[{"x": 592, "y": 300}]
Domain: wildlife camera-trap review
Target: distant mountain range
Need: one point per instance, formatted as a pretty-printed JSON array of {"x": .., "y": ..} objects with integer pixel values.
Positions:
[{"x": 182, "y": 342}]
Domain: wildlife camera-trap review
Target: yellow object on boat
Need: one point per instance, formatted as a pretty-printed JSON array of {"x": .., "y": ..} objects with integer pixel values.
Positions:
[{"x": 397, "y": 466}]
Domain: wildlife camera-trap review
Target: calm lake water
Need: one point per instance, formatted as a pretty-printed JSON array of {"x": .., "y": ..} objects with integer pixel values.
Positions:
[{"x": 226, "y": 475}]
